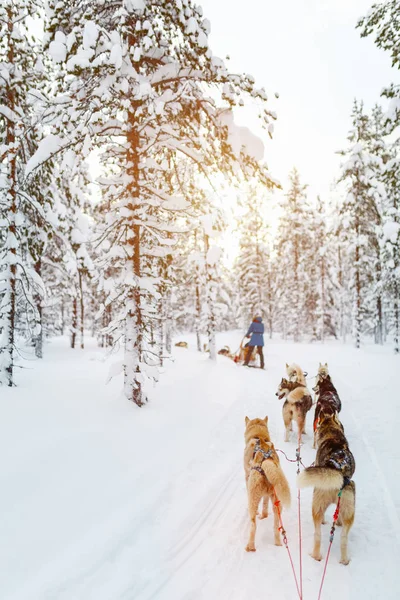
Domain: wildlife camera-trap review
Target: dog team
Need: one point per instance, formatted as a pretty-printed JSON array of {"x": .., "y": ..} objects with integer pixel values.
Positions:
[{"x": 330, "y": 474}]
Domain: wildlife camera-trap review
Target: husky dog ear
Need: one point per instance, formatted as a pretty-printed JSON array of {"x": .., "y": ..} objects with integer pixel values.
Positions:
[
  {"x": 287, "y": 366},
  {"x": 326, "y": 364},
  {"x": 320, "y": 364},
  {"x": 246, "y": 420},
  {"x": 266, "y": 420}
]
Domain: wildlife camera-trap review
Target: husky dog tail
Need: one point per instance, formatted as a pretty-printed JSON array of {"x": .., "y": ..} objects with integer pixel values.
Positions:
[
  {"x": 323, "y": 478},
  {"x": 276, "y": 477}
]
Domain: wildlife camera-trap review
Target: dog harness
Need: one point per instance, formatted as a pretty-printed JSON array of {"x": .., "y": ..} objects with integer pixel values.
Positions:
[
  {"x": 266, "y": 455},
  {"x": 339, "y": 460}
]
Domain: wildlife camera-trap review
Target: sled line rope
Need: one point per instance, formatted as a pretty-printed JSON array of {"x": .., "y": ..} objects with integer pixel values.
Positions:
[
  {"x": 292, "y": 460},
  {"x": 331, "y": 536},
  {"x": 285, "y": 541},
  {"x": 236, "y": 353},
  {"x": 298, "y": 460}
]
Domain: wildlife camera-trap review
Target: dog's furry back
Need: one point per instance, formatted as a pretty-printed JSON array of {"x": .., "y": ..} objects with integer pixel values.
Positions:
[{"x": 334, "y": 461}]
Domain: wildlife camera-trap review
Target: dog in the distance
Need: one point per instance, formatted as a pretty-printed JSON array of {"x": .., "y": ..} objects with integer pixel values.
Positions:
[
  {"x": 326, "y": 395},
  {"x": 264, "y": 478},
  {"x": 295, "y": 374},
  {"x": 298, "y": 402},
  {"x": 226, "y": 351},
  {"x": 333, "y": 471},
  {"x": 241, "y": 355},
  {"x": 181, "y": 344}
]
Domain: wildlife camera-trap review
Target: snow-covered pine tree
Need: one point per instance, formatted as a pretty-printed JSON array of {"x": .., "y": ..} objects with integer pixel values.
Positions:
[
  {"x": 390, "y": 241},
  {"x": 383, "y": 21},
  {"x": 292, "y": 246},
  {"x": 253, "y": 268},
  {"x": 23, "y": 215},
  {"x": 359, "y": 221},
  {"x": 320, "y": 291},
  {"x": 378, "y": 147},
  {"x": 138, "y": 74},
  {"x": 74, "y": 226}
]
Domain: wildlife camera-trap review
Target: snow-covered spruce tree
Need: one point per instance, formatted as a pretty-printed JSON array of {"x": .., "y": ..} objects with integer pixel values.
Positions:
[
  {"x": 211, "y": 224},
  {"x": 383, "y": 21},
  {"x": 138, "y": 74},
  {"x": 292, "y": 247},
  {"x": 253, "y": 264},
  {"x": 391, "y": 241},
  {"x": 74, "y": 226},
  {"x": 23, "y": 215},
  {"x": 359, "y": 222},
  {"x": 378, "y": 147},
  {"x": 321, "y": 312}
]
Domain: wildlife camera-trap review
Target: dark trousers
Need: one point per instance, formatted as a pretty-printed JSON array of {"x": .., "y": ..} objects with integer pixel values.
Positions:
[{"x": 249, "y": 352}]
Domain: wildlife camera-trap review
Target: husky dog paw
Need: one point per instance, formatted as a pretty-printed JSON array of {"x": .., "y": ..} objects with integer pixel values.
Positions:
[
  {"x": 344, "y": 561},
  {"x": 316, "y": 556},
  {"x": 263, "y": 516},
  {"x": 250, "y": 548},
  {"x": 278, "y": 542}
]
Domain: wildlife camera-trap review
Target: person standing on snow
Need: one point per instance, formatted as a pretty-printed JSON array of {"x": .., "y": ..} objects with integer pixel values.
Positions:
[{"x": 256, "y": 333}]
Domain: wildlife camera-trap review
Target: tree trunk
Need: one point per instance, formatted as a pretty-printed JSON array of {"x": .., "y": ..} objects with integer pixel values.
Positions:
[
  {"x": 210, "y": 303},
  {"x": 82, "y": 310},
  {"x": 38, "y": 302},
  {"x": 74, "y": 327},
  {"x": 134, "y": 320},
  {"x": 322, "y": 299},
  {"x": 358, "y": 299},
  {"x": 167, "y": 302},
  {"x": 161, "y": 312},
  {"x": 379, "y": 321},
  {"x": 396, "y": 319},
  {"x": 197, "y": 317},
  {"x": 198, "y": 312},
  {"x": 9, "y": 297},
  {"x": 62, "y": 315},
  {"x": 296, "y": 298}
]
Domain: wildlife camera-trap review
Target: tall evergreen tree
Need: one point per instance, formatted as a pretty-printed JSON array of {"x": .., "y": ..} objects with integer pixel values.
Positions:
[
  {"x": 253, "y": 267},
  {"x": 137, "y": 74},
  {"x": 383, "y": 21},
  {"x": 23, "y": 203},
  {"x": 360, "y": 219},
  {"x": 292, "y": 246}
]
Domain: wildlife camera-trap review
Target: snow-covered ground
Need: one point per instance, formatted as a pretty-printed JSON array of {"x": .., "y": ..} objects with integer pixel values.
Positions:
[{"x": 102, "y": 500}]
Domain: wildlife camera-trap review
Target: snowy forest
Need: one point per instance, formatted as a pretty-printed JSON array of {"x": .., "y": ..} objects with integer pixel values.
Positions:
[{"x": 121, "y": 163}]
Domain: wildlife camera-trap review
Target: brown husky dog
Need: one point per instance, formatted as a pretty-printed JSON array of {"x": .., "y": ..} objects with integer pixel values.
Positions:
[
  {"x": 334, "y": 468},
  {"x": 264, "y": 477},
  {"x": 296, "y": 406},
  {"x": 326, "y": 396}
]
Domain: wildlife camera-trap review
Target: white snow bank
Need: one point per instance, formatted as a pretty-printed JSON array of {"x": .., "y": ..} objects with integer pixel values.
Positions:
[{"x": 103, "y": 500}]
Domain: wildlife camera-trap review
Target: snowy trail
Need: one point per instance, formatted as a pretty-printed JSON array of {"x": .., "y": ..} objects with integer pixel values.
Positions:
[{"x": 104, "y": 501}]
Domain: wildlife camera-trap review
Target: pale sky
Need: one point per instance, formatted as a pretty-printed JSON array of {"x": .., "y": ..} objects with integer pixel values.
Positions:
[{"x": 310, "y": 52}]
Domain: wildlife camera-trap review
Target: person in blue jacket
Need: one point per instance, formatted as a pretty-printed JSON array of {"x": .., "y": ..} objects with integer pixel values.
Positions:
[{"x": 256, "y": 335}]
